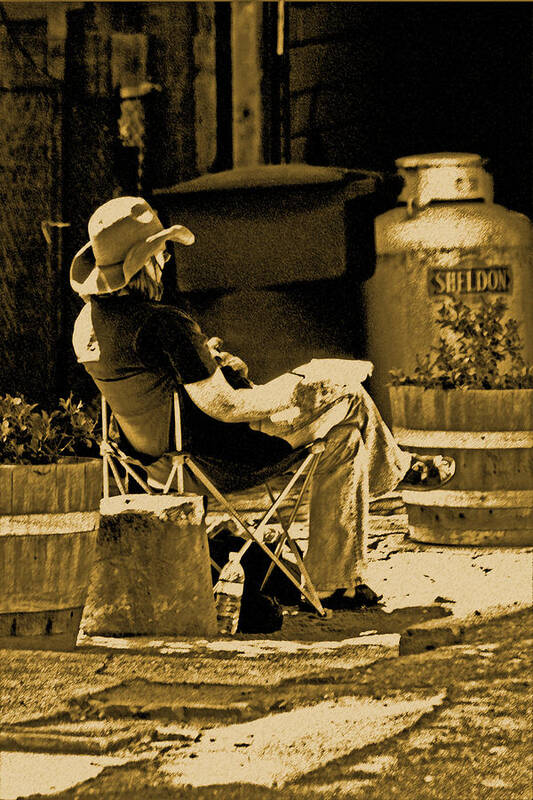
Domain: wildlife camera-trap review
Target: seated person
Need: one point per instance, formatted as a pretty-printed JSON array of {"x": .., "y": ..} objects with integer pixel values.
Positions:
[{"x": 139, "y": 351}]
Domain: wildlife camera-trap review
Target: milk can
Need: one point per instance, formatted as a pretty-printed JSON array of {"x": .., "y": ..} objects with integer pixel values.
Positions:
[{"x": 446, "y": 238}]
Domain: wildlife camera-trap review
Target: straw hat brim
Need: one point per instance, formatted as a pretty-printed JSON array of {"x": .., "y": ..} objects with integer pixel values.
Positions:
[{"x": 87, "y": 277}]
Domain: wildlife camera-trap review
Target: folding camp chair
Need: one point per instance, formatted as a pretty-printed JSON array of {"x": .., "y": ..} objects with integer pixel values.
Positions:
[{"x": 116, "y": 459}]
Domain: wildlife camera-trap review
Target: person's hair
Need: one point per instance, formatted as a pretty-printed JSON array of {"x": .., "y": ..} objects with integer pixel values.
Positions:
[
  {"x": 143, "y": 284},
  {"x": 140, "y": 284}
]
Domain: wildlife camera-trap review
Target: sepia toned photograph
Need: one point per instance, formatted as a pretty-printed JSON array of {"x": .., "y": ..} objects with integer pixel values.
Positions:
[{"x": 266, "y": 400}]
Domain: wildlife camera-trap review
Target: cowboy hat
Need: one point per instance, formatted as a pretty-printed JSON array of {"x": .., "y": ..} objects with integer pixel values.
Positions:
[{"x": 123, "y": 234}]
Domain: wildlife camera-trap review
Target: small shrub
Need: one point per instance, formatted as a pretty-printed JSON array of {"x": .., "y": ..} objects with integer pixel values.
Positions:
[
  {"x": 29, "y": 435},
  {"x": 477, "y": 349}
]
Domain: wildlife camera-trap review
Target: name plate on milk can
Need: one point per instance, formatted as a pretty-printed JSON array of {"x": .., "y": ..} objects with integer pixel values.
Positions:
[{"x": 472, "y": 280}]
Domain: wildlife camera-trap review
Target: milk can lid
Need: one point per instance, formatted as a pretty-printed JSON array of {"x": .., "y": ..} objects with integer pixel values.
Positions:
[{"x": 440, "y": 160}]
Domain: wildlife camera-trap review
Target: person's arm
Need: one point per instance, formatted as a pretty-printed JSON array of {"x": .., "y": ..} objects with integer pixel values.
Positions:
[
  {"x": 215, "y": 397},
  {"x": 171, "y": 339}
]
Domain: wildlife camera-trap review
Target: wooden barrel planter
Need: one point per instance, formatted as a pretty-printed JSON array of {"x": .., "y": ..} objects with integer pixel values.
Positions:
[
  {"x": 489, "y": 433},
  {"x": 48, "y": 525}
]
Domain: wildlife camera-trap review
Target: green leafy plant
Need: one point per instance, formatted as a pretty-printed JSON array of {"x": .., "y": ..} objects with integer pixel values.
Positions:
[
  {"x": 30, "y": 435},
  {"x": 477, "y": 349}
]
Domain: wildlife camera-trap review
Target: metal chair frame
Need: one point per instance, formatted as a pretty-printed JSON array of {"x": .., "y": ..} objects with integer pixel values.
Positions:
[{"x": 112, "y": 455}]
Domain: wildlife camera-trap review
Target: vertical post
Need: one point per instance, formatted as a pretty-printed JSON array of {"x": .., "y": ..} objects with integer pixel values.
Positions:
[
  {"x": 178, "y": 441},
  {"x": 246, "y": 40},
  {"x": 56, "y": 33},
  {"x": 105, "y": 457},
  {"x": 205, "y": 86},
  {"x": 283, "y": 54}
]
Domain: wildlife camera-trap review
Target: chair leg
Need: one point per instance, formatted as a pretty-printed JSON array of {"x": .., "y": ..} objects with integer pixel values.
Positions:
[
  {"x": 170, "y": 478},
  {"x": 180, "y": 479},
  {"x": 251, "y": 532},
  {"x": 105, "y": 476},
  {"x": 136, "y": 477},
  {"x": 308, "y": 589},
  {"x": 116, "y": 476},
  {"x": 286, "y": 527}
]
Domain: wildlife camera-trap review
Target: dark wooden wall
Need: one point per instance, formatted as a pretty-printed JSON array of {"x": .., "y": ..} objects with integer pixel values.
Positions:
[
  {"x": 28, "y": 286},
  {"x": 370, "y": 82},
  {"x": 98, "y": 165}
]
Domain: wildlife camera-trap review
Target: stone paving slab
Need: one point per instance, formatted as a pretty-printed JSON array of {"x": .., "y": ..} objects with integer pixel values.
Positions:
[
  {"x": 247, "y": 648},
  {"x": 67, "y": 739},
  {"x": 55, "y": 682},
  {"x": 278, "y": 749},
  {"x": 271, "y": 751},
  {"x": 23, "y": 774}
]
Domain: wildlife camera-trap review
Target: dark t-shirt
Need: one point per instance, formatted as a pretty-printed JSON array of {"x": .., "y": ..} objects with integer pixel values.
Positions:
[{"x": 139, "y": 352}]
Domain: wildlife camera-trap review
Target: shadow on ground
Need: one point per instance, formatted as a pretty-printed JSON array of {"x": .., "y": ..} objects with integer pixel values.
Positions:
[{"x": 306, "y": 627}]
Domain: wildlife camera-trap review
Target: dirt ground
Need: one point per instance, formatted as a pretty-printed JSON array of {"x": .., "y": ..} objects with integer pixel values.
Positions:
[{"x": 476, "y": 746}]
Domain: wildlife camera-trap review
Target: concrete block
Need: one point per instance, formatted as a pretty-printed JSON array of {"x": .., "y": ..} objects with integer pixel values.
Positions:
[
  {"x": 151, "y": 573},
  {"x": 429, "y": 637}
]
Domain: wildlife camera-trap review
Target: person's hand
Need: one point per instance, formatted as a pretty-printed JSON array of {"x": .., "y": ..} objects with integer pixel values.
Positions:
[
  {"x": 214, "y": 344},
  {"x": 225, "y": 359}
]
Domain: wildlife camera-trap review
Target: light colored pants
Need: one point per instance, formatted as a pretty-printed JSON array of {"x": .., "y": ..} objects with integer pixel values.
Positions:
[{"x": 361, "y": 460}]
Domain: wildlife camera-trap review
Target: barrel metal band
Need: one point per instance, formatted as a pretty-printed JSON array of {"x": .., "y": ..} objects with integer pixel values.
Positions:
[
  {"x": 463, "y": 440},
  {"x": 513, "y": 537},
  {"x": 48, "y": 524},
  {"x": 498, "y": 498}
]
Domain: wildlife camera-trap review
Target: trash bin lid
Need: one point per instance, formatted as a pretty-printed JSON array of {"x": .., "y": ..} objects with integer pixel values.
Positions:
[{"x": 265, "y": 176}]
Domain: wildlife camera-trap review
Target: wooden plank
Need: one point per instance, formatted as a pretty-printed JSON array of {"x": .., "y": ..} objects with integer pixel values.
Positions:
[
  {"x": 6, "y": 488},
  {"x": 490, "y": 499},
  {"x": 93, "y": 484},
  {"x": 323, "y": 108},
  {"x": 205, "y": 86},
  {"x": 490, "y": 469},
  {"x": 43, "y": 572},
  {"x": 397, "y": 523},
  {"x": 246, "y": 33},
  {"x": 34, "y": 624},
  {"x": 466, "y": 440},
  {"x": 322, "y": 64},
  {"x": 48, "y": 524},
  {"x": 44, "y": 630},
  {"x": 473, "y": 538},
  {"x": 70, "y": 480},
  {"x": 387, "y": 504},
  {"x": 34, "y": 489},
  {"x": 471, "y": 410},
  {"x": 461, "y": 519},
  {"x": 312, "y": 21}
]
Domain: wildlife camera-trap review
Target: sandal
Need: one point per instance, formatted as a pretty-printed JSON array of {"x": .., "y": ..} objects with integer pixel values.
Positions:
[
  {"x": 427, "y": 472},
  {"x": 362, "y": 597}
]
